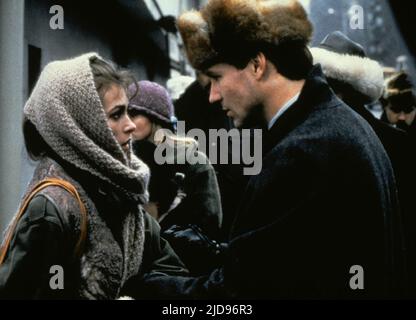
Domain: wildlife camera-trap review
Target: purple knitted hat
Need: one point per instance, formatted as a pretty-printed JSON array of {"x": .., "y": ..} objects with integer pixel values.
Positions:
[{"x": 153, "y": 100}]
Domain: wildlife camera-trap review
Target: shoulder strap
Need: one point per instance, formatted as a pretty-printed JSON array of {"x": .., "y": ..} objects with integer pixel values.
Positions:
[{"x": 42, "y": 185}]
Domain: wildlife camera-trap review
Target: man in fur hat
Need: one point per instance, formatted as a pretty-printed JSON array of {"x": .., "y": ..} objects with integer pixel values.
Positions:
[
  {"x": 399, "y": 103},
  {"x": 320, "y": 219}
]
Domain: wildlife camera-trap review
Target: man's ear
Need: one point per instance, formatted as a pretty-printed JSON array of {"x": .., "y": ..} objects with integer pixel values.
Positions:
[{"x": 259, "y": 65}]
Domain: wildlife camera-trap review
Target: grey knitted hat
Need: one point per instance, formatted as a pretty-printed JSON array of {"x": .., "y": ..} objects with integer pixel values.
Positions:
[
  {"x": 153, "y": 100},
  {"x": 67, "y": 111}
]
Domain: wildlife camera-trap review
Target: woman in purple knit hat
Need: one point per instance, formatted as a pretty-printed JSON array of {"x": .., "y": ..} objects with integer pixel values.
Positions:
[{"x": 183, "y": 196}]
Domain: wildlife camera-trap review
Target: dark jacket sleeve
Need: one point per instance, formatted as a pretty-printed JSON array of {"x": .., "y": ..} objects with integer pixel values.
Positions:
[
  {"x": 163, "y": 275},
  {"x": 204, "y": 197},
  {"x": 158, "y": 258},
  {"x": 37, "y": 245},
  {"x": 202, "y": 204},
  {"x": 160, "y": 286}
]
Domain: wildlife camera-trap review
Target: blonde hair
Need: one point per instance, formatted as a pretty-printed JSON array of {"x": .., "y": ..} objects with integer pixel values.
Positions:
[{"x": 160, "y": 135}]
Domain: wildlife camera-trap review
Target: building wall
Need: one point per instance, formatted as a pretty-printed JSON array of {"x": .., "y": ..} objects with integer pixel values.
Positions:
[
  {"x": 380, "y": 35},
  {"x": 120, "y": 30},
  {"x": 54, "y": 45},
  {"x": 60, "y": 44},
  {"x": 11, "y": 101}
]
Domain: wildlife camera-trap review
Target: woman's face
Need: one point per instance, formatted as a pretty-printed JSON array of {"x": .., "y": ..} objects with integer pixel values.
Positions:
[
  {"x": 143, "y": 127},
  {"x": 115, "y": 104}
]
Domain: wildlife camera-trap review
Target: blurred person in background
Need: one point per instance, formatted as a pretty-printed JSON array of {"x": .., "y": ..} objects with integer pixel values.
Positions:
[
  {"x": 358, "y": 80},
  {"x": 182, "y": 195},
  {"x": 399, "y": 103}
]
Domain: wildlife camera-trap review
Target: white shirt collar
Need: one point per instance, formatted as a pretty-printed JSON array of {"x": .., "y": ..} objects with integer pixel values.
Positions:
[{"x": 286, "y": 106}]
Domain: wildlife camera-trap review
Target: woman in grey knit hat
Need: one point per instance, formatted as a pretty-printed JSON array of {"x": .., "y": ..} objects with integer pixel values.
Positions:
[
  {"x": 179, "y": 204},
  {"x": 83, "y": 235}
]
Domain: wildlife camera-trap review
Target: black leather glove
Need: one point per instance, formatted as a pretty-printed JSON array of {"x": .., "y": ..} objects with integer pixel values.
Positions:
[{"x": 199, "y": 253}]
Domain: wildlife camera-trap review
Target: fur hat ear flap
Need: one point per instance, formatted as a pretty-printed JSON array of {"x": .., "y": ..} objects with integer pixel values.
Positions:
[{"x": 194, "y": 31}]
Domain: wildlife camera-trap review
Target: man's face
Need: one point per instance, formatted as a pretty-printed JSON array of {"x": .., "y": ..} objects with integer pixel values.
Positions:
[
  {"x": 235, "y": 89},
  {"x": 398, "y": 116}
]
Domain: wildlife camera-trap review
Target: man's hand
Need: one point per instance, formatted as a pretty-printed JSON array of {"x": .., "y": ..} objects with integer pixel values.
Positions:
[{"x": 199, "y": 253}]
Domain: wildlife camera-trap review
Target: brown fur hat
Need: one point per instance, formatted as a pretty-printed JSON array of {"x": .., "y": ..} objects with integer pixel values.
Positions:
[
  {"x": 229, "y": 27},
  {"x": 399, "y": 92},
  {"x": 398, "y": 84}
]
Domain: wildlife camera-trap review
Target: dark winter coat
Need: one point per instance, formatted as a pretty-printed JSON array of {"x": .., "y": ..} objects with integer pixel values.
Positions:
[
  {"x": 48, "y": 230},
  {"x": 399, "y": 148},
  {"x": 411, "y": 130},
  {"x": 324, "y": 202},
  {"x": 194, "y": 108},
  {"x": 201, "y": 201},
  {"x": 201, "y": 204},
  {"x": 198, "y": 197}
]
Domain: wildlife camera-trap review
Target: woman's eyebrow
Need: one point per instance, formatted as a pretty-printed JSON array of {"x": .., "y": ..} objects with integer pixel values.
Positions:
[{"x": 119, "y": 107}]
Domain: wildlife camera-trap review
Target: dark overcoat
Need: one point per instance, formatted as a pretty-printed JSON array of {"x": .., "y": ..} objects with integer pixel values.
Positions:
[
  {"x": 321, "y": 219},
  {"x": 399, "y": 147}
]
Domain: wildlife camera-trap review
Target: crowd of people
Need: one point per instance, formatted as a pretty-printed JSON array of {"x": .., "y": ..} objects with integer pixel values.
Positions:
[{"x": 335, "y": 190}]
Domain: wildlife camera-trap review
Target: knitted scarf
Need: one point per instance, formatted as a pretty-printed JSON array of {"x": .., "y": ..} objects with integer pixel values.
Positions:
[{"x": 67, "y": 111}]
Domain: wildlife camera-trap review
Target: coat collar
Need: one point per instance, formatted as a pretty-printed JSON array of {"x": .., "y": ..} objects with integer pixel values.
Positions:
[{"x": 315, "y": 94}]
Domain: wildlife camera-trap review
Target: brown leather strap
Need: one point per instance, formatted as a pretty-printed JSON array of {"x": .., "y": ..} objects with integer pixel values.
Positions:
[{"x": 41, "y": 185}]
